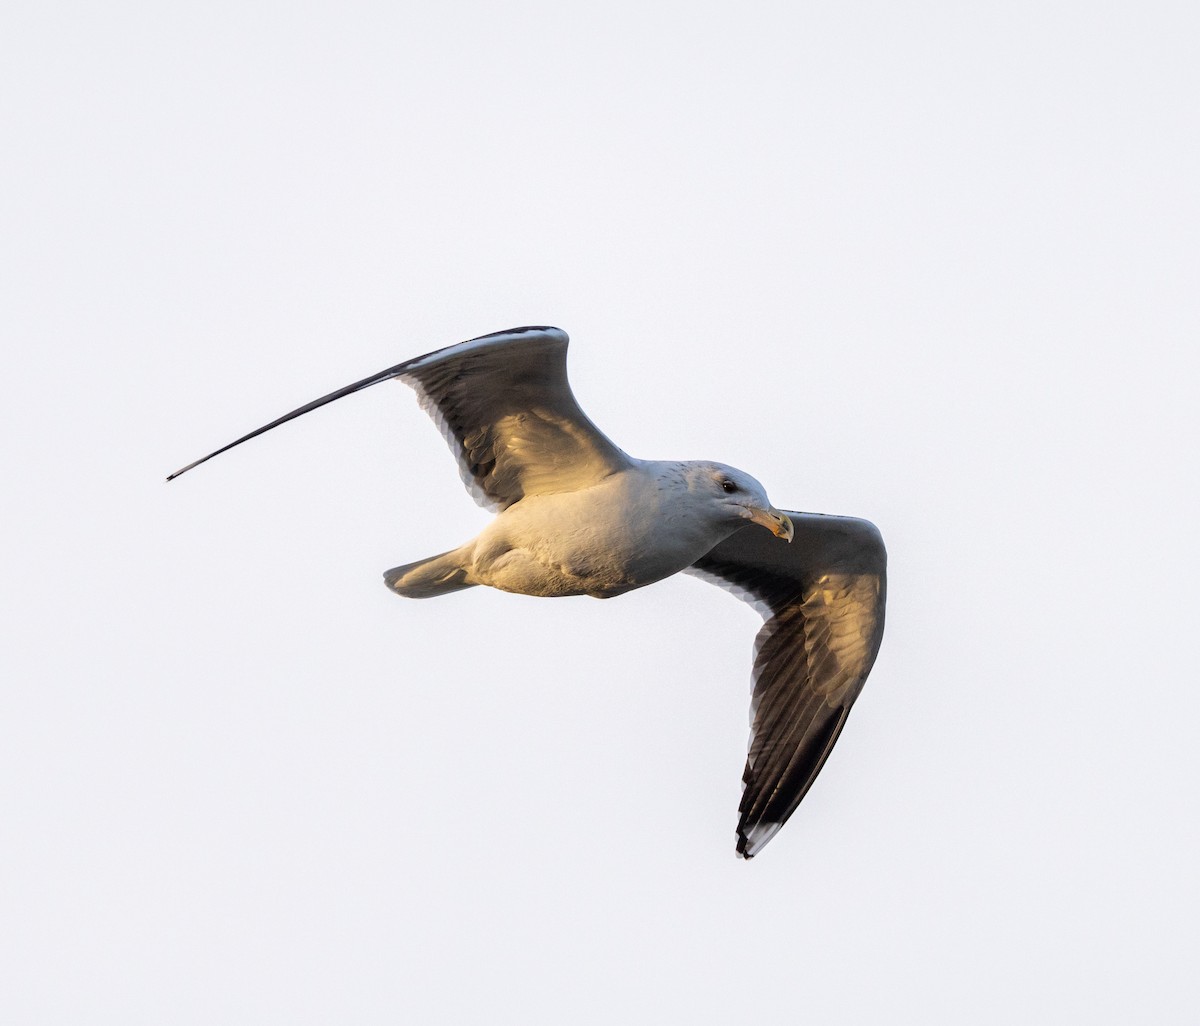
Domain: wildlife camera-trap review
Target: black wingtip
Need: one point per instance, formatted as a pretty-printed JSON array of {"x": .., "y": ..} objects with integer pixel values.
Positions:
[
  {"x": 742, "y": 843},
  {"x": 184, "y": 470},
  {"x": 357, "y": 386}
]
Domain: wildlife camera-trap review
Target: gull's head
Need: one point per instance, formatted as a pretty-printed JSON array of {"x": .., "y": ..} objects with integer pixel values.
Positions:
[{"x": 735, "y": 494}]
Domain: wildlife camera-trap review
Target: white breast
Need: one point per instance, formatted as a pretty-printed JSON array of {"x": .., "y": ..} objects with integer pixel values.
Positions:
[{"x": 632, "y": 529}]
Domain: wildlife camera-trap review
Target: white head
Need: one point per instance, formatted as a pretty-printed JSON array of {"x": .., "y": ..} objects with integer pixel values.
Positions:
[{"x": 736, "y": 495}]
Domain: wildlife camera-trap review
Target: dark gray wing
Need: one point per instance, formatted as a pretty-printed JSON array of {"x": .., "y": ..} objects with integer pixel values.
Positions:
[
  {"x": 822, "y": 598},
  {"x": 505, "y": 408},
  {"x": 504, "y": 405}
]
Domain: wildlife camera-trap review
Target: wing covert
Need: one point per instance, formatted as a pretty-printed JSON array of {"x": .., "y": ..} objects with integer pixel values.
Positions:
[{"x": 822, "y": 598}]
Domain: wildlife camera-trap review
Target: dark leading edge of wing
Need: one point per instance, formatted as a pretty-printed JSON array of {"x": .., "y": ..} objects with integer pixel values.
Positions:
[
  {"x": 822, "y": 598},
  {"x": 504, "y": 404}
]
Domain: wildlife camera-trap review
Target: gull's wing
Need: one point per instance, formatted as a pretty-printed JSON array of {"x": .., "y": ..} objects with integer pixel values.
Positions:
[
  {"x": 822, "y": 598},
  {"x": 505, "y": 408},
  {"x": 504, "y": 405}
]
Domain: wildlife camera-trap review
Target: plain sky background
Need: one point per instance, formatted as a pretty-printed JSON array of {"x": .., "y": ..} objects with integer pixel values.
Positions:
[{"x": 934, "y": 264}]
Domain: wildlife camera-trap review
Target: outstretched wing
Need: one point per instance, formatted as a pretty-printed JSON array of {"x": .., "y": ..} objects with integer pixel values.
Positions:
[
  {"x": 504, "y": 405},
  {"x": 505, "y": 408},
  {"x": 822, "y": 598}
]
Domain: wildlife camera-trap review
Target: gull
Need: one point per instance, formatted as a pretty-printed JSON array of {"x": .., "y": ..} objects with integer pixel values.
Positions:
[{"x": 575, "y": 515}]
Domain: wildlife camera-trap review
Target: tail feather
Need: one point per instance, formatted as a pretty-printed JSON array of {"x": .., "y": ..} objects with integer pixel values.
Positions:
[{"x": 437, "y": 575}]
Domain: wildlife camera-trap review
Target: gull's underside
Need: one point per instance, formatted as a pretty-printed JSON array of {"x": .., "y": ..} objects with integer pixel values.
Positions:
[{"x": 576, "y": 515}]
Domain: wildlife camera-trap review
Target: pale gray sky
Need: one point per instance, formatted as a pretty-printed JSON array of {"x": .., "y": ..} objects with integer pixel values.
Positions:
[{"x": 930, "y": 264}]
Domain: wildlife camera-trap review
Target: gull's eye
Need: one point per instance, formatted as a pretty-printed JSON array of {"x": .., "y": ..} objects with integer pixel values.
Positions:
[{"x": 729, "y": 487}]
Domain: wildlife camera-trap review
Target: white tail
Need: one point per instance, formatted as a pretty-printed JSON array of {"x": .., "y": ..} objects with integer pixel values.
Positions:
[{"x": 437, "y": 575}]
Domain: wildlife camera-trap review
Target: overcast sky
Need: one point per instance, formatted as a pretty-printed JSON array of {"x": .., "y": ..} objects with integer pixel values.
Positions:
[{"x": 933, "y": 264}]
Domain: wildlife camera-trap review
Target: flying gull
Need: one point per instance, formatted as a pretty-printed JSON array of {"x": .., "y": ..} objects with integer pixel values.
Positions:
[{"x": 577, "y": 516}]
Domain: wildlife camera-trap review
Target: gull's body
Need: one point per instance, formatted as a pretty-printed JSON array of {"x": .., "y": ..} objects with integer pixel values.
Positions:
[
  {"x": 577, "y": 516},
  {"x": 602, "y": 540}
]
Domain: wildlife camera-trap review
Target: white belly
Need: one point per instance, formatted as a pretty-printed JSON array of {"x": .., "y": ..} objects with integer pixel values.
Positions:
[{"x": 624, "y": 533}]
